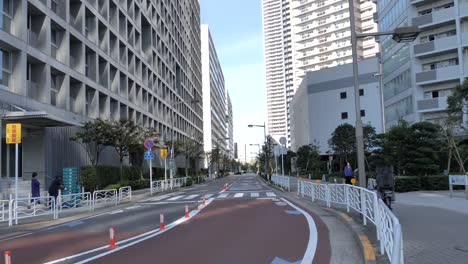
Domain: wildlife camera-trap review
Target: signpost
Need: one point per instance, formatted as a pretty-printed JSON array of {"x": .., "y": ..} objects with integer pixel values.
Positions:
[
  {"x": 13, "y": 136},
  {"x": 149, "y": 144},
  {"x": 458, "y": 180},
  {"x": 283, "y": 150},
  {"x": 163, "y": 154}
]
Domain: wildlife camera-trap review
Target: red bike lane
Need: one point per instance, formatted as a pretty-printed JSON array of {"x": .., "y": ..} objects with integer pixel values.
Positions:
[{"x": 233, "y": 231}]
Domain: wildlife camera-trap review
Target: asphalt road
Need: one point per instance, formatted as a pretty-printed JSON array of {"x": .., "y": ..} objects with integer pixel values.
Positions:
[{"x": 248, "y": 223}]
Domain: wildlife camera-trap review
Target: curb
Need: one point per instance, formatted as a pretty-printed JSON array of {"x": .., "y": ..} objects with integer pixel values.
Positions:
[{"x": 367, "y": 250}]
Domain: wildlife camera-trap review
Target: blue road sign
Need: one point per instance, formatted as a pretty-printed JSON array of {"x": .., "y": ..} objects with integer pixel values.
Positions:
[
  {"x": 149, "y": 155},
  {"x": 149, "y": 143}
]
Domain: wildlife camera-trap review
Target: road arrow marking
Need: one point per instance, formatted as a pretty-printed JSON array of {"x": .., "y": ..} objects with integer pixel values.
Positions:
[{"x": 282, "y": 261}]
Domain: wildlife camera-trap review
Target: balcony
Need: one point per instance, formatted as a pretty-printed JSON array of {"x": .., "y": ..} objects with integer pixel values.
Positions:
[
  {"x": 443, "y": 16},
  {"x": 437, "y": 46},
  {"x": 419, "y": 2},
  {"x": 463, "y": 9},
  {"x": 432, "y": 105},
  {"x": 441, "y": 75}
]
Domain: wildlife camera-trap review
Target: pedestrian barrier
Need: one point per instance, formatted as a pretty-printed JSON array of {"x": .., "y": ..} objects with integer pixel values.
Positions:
[
  {"x": 37, "y": 206},
  {"x": 163, "y": 185},
  {"x": 103, "y": 197},
  {"x": 74, "y": 200},
  {"x": 281, "y": 181},
  {"x": 125, "y": 193},
  {"x": 368, "y": 205},
  {"x": 4, "y": 210}
]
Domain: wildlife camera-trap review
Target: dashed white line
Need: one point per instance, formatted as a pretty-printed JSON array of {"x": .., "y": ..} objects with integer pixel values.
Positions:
[
  {"x": 207, "y": 196},
  {"x": 116, "y": 212},
  {"x": 255, "y": 194},
  {"x": 191, "y": 196},
  {"x": 223, "y": 195},
  {"x": 238, "y": 195},
  {"x": 271, "y": 194},
  {"x": 132, "y": 207}
]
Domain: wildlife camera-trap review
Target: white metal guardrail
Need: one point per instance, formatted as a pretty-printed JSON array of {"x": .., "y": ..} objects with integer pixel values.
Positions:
[
  {"x": 75, "y": 200},
  {"x": 102, "y": 197},
  {"x": 368, "y": 205},
  {"x": 281, "y": 181},
  {"x": 125, "y": 193},
  {"x": 163, "y": 185},
  {"x": 13, "y": 210}
]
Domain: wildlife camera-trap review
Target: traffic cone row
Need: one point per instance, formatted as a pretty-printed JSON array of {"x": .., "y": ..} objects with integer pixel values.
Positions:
[
  {"x": 203, "y": 202},
  {"x": 111, "y": 238},
  {"x": 7, "y": 257},
  {"x": 225, "y": 187},
  {"x": 187, "y": 214}
]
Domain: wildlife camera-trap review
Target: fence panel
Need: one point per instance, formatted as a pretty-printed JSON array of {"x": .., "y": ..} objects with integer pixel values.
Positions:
[
  {"x": 103, "y": 197},
  {"x": 125, "y": 193},
  {"x": 37, "y": 206},
  {"x": 74, "y": 200},
  {"x": 4, "y": 210}
]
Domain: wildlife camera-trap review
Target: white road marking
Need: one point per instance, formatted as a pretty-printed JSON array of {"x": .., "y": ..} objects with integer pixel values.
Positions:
[
  {"x": 175, "y": 198},
  {"x": 254, "y": 194},
  {"x": 116, "y": 212},
  {"x": 191, "y": 196},
  {"x": 207, "y": 196},
  {"x": 271, "y": 194},
  {"x": 132, "y": 207},
  {"x": 223, "y": 195},
  {"x": 313, "y": 235},
  {"x": 238, "y": 195}
]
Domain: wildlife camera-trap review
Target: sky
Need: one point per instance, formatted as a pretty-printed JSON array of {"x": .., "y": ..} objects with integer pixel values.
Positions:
[{"x": 236, "y": 29}]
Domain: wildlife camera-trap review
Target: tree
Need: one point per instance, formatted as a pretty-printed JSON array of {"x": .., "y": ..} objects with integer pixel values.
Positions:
[
  {"x": 125, "y": 134},
  {"x": 308, "y": 158},
  {"x": 342, "y": 142},
  {"x": 94, "y": 137},
  {"x": 192, "y": 149}
]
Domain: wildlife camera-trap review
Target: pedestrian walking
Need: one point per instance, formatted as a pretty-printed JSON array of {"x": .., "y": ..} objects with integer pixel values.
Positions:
[
  {"x": 348, "y": 173},
  {"x": 54, "y": 188},
  {"x": 35, "y": 189}
]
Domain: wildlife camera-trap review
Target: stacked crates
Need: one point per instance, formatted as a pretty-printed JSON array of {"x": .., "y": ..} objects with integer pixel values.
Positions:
[{"x": 70, "y": 185}]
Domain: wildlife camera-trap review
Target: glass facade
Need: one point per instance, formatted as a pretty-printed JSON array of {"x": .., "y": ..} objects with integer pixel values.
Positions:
[
  {"x": 397, "y": 60},
  {"x": 399, "y": 109},
  {"x": 397, "y": 85},
  {"x": 386, "y": 23}
]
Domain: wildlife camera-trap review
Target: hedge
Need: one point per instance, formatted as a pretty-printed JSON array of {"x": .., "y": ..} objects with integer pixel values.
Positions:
[
  {"x": 407, "y": 184},
  {"x": 106, "y": 175},
  {"x": 426, "y": 183}
]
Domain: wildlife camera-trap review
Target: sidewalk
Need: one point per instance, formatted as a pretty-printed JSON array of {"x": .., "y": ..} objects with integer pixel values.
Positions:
[{"x": 434, "y": 227}]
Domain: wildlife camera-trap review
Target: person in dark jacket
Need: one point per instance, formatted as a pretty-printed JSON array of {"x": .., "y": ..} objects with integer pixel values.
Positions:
[
  {"x": 54, "y": 188},
  {"x": 348, "y": 173},
  {"x": 35, "y": 188}
]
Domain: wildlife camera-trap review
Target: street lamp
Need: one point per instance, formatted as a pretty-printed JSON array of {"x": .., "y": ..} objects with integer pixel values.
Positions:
[
  {"x": 266, "y": 146},
  {"x": 403, "y": 34},
  {"x": 171, "y": 164}
]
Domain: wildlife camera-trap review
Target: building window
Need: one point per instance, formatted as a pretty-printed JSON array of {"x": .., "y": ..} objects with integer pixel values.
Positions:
[
  {"x": 361, "y": 92},
  {"x": 344, "y": 115},
  {"x": 6, "y": 8},
  {"x": 343, "y": 95},
  {"x": 435, "y": 94},
  {"x": 363, "y": 113},
  {"x": 5, "y": 67}
]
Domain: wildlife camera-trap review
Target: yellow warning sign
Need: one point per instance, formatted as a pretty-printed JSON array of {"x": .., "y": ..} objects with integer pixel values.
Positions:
[
  {"x": 13, "y": 133},
  {"x": 163, "y": 153}
]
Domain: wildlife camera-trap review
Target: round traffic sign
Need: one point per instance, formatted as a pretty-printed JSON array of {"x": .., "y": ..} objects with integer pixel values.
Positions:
[{"x": 149, "y": 143}]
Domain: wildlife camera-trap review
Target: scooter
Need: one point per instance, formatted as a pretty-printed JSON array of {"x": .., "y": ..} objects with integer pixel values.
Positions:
[{"x": 387, "y": 195}]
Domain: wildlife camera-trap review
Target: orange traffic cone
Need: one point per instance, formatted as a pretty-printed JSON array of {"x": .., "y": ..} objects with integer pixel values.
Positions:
[
  {"x": 196, "y": 206},
  {"x": 162, "y": 226},
  {"x": 203, "y": 203},
  {"x": 187, "y": 214},
  {"x": 112, "y": 238},
  {"x": 7, "y": 257}
]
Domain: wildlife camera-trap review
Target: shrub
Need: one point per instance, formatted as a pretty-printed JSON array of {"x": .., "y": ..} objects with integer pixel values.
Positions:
[
  {"x": 407, "y": 183},
  {"x": 113, "y": 186},
  {"x": 189, "y": 182},
  {"x": 106, "y": 175},
  {"x": 131, "y": 173},
  {"x": 434, "y": 183},
  {"x": 88, "y": 178}
]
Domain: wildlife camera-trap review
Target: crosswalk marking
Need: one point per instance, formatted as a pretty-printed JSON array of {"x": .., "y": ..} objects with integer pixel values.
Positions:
[
  {"x": 207, "y": 196},
  {"x": 175, "y": 198},
  {"x": 237, "y": 195},
  {"x": 270, "y": 194},
  {"x": 191, "y": 196},
  {"x": 254, "y": 194},
  {"x": 223, "y": 195}
]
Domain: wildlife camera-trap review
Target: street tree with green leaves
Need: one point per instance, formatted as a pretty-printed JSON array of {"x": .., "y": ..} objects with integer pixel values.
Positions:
[{"x": 308, "y": 158}]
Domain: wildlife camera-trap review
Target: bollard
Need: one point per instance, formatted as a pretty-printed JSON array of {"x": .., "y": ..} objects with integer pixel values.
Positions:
[
  {"x": 7, "y": 257},
  {"x": 111, "y": 238},
  {"x": 162, "y": 226},
  {"x": 187, "y": 215},
  {"x": 196, "y": 205}
]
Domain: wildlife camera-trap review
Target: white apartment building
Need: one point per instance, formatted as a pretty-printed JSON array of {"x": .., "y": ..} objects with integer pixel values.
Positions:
[
  {"x": 215, "y": 101},
  {"x": 230, "y": 127},
  {"x": 319, "y": 37},
  {"x": 419, "y": 76},
  {"x": 325, "y": 100},
  {"x": 63, "y": 63},
  {"x": 278, "y": 63}
]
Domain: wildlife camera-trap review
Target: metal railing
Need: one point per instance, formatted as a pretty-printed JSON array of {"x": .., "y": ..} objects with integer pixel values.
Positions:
[
  {"x": 366, "y": 203},
  {"x": 164, "y": 185},
  {"x": 125, "y": 193},
  {"x": 75, "y": 200},
  {"x": 37, "y": 206},
  {"x": 281, "y": 181},
  {"x": 102, "y": 197},
  {"x": 4, "y": 210}
]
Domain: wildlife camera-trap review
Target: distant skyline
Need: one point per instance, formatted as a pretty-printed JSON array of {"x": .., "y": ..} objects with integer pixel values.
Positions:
[{"x": 236, "y": 29}]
